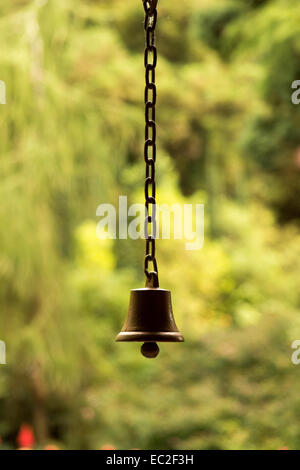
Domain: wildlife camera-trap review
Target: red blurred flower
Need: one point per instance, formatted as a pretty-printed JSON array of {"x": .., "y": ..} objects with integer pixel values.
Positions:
[{"x": 25, "y": 436}]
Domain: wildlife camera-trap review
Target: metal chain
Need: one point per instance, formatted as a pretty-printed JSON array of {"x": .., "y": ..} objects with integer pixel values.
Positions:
[{"x": 150, "y": 60}]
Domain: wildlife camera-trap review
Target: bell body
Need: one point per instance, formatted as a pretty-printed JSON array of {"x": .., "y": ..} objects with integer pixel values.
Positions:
[{"x": 150, "y": 317}]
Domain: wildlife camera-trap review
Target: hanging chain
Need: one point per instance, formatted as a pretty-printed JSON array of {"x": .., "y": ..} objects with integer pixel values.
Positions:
[{"x": 150, "y": 141}]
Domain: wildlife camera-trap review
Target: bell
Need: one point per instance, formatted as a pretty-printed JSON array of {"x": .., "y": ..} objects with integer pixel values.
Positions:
[{"x": 150, "y": 319}]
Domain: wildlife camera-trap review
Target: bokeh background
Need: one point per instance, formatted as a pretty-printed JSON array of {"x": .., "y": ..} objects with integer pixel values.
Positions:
[{"x": 71, "y": 139}]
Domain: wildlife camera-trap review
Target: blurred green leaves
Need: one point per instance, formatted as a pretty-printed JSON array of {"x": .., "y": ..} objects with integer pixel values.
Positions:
[{"x": 71, "y": 139}]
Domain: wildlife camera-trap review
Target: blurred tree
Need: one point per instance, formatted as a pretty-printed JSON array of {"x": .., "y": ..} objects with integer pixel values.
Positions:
[{"x": 71, "y": 139}]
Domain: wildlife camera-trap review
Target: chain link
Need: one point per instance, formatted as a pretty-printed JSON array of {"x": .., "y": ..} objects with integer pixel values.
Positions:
[{"x": 150, "y": 61}]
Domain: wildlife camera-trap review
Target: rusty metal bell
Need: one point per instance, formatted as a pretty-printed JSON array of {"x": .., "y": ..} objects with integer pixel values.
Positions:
[{"x": 150, "y": 319}]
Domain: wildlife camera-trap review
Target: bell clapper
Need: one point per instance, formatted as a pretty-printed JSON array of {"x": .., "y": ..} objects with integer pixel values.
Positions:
[{"x": 150, "y": 349}]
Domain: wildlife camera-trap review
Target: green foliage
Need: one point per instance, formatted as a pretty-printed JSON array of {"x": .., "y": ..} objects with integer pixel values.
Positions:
[
  {"x": 71, "y": 139},
  {"x": 211, "y": 24}
]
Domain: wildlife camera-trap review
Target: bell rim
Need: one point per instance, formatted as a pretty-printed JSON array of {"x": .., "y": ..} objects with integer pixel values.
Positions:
[{"x": 144, "y": 336}]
